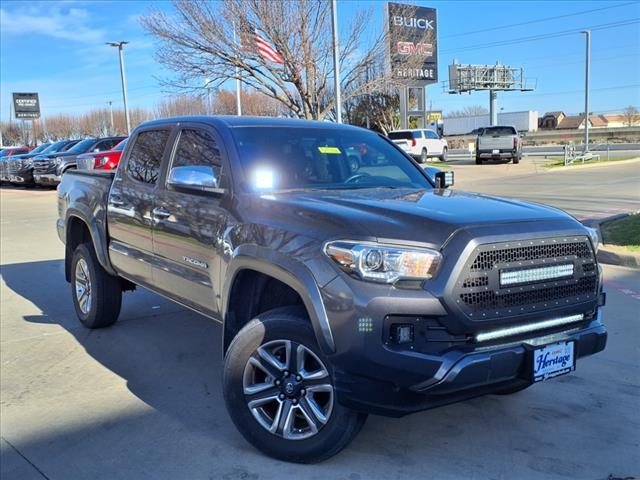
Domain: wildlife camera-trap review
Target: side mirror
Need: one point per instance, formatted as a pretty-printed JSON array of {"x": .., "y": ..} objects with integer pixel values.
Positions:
[
  {"x": 194, "y": 177},
  {"x": 444, "y": 179}
]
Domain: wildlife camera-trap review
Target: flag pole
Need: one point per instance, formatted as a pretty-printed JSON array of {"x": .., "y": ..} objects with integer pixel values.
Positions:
[
  {"x": 336, "y": 60},
  {"x": 238, "y": 84}
]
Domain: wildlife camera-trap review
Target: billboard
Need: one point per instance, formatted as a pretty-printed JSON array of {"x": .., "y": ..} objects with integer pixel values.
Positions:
[
  {"x": 26, "y": 105},
  {"x": 413, "y": 43}
]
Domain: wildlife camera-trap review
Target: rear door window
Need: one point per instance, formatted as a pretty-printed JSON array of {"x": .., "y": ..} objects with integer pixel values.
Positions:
[{"x": 146, "y": 155}]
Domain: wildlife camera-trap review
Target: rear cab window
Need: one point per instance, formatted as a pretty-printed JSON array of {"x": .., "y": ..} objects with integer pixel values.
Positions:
[
  {"x": 498, "y": 132},
  {"x": 145, "y": 157}
]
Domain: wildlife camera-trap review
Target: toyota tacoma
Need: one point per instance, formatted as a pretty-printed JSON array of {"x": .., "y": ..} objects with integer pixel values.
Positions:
[{"x": 347, "y": 280}]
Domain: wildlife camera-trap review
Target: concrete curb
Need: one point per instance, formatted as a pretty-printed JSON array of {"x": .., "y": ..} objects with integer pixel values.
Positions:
[{"x": 607, "y": 254}]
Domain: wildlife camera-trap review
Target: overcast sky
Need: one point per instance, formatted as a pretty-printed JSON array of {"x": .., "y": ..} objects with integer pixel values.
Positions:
[{"x": 58, "y": 49}]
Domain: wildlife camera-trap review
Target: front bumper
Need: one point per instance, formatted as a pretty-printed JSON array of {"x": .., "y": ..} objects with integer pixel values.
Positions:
[
  {"x": 47, "y": 178},
  {"x": 22, "y": 177}
]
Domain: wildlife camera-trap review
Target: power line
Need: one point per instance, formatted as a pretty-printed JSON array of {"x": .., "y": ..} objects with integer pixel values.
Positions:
[
  {"x": 603, "y": 26},
  {"x": 502, "y": 27}
]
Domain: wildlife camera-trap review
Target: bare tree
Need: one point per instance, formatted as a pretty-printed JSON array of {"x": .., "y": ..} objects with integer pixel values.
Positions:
[
  {"x": 181, "y": 105},
  {"x": 470, "y": 111},
  {"x": 198, "y": 42},
  {"x": 631, "y": 116},
  {"x": 253, "y": 103}
]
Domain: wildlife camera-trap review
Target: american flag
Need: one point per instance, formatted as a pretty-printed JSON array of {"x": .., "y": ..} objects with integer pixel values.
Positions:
[{"x": 252, "y": 40}]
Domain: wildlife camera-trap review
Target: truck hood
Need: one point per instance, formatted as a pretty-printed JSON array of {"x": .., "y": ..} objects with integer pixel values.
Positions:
[{"x": 415, "y": 215}]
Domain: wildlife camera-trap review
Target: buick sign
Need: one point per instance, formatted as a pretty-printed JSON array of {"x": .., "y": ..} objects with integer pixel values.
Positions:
[{"x": 413, "y": 49}]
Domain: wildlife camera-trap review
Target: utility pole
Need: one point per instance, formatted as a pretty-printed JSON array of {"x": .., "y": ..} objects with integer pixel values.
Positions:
[
  {"x": 336, "y": 60},
  {"x": 124, "y": 82},
  {"x": 111, "y": 130},
  {"x": 586, "y": 89}
]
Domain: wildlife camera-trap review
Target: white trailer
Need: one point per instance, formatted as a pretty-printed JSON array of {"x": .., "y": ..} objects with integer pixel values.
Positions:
[{"x": 526, "y": 121}]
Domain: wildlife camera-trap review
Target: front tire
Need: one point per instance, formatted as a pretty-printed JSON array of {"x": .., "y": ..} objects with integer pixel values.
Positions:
[
  {"x": 516, "y": 159},
  {"x": 279, "y": 391},
  {"x": 97, "y": 295},
  {"x": 443, "y": 157}
]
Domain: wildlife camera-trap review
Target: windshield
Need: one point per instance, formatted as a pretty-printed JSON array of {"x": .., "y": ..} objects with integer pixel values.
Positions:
[
  {"x": 55, "y": 146},
  {"x": 82, "y": 146},
  {"x": 120, "y": 146},
  {"x": 41, "y": 148},
  {"x": 498, "y": 131},
  {"x": 275, "y": 158}
]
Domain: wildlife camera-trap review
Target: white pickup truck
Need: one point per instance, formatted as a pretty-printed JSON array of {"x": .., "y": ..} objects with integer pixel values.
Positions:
[{"x": 498, "y": 142}]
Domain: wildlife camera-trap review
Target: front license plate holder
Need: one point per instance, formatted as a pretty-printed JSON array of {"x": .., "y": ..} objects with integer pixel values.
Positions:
[
  {"x": 495, "y": 152},
  {"x": 552, "y": 360}
]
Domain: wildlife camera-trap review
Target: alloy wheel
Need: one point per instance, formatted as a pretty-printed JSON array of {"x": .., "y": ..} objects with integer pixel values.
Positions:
[
  {"x": 83, "y": 286},
  {"x": 288, "y": 389}
]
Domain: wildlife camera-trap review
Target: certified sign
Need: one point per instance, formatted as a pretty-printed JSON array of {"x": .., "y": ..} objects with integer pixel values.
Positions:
[
  {"x": 26, "y": 105},
  {"x": 413, "y": 49}
]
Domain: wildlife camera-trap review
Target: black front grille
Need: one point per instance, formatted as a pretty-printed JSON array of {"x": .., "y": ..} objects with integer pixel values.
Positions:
[
  {"x": 480, "y": 295},
  {"x": 487, "y": 260},
  {"x": 42, "y": 166},
  {"x": 550, "y": 295}
]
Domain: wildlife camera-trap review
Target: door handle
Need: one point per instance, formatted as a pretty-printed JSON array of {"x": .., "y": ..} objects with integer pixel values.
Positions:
[
  {"x": 160, "y": 212},
  {"x": 116, "y": 201}
]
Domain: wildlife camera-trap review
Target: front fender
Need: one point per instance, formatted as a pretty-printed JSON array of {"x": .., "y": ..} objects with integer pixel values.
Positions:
[{"x": 289, "y": 271}]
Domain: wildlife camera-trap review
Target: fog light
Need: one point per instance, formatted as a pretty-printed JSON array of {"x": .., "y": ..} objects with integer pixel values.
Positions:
[{"x": 401, "y": 333}]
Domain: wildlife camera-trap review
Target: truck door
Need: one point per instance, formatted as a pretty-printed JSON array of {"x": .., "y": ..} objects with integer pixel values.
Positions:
[
  {"x": 189, "y": 223},
  {"x": 131, "y": 202}
]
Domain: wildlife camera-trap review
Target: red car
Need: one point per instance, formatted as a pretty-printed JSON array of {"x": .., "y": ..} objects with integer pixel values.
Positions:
[
  {"x": 102, "y": 161},
  {"x": 10, "y": 151}
]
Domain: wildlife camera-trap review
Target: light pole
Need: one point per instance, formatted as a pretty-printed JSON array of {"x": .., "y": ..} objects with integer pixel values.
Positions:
[
  {"x": 336, "y": 60},
  {"x": 111, "y": 116},
  {"x": 124, "y": 82},
  {"x": 586, "y": 90}
]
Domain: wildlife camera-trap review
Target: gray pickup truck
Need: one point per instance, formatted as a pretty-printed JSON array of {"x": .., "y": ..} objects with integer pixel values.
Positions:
[
  {"x": 346, "y": 279},
  {"x": 497, "y": 143}
]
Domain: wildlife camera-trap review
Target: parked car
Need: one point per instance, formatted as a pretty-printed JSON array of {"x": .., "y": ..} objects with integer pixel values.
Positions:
[
  {"x": 8, "y": 164},
  {"x": 420, "y": 143},
  {"x": 497, "y": 143},
  {"x": 20, "y": 169},
  {"x": 10, "y": 151},
  {"x": 49, "y": 170},
  {"x": 102, "y": 161},
  {"x": 340, "y": 291}
]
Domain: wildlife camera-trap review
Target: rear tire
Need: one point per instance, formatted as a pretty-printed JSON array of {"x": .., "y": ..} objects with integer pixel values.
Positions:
[
  {"x": 301, "y": 436},
  {"x": 516, "y": 160},
  {"x": 97, "y": 295},
  {"x": 424, "y": 156}
]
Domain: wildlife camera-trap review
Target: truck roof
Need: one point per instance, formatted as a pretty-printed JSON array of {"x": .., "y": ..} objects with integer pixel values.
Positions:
[{"x": 232, "y": 121}]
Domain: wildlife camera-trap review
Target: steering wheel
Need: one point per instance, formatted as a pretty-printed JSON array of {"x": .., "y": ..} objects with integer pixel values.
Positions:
[{"x": 356, "y": 177}]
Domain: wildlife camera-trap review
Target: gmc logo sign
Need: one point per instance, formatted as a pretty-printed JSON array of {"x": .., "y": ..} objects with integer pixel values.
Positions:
[{"x": 410, "y": 48}]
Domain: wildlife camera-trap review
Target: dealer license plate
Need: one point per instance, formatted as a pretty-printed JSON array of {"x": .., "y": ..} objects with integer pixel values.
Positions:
[
  {"x": 495, "y": 152},
  {"x": 553, "y": 360}
]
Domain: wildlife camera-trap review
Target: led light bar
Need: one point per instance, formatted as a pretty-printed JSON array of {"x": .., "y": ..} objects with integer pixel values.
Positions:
[
  {"x": 537, "y": 274},
  {"x": 530, "y": 327}
]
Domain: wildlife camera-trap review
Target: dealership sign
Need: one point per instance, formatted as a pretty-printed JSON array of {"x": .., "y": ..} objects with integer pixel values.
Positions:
[
  {"x": 26, "y": 105},
  {"x": 413, "y": 49}
]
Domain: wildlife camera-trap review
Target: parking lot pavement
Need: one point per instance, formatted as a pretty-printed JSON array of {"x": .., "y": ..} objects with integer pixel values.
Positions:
[
  {"x": 590, "y": 192},
  {"x": 143, "y": 399}
]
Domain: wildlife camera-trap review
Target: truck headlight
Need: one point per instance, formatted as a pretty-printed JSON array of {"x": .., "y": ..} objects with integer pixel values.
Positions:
[
  {"x": 384, "y": 263},
  {"x": 595, "y": 238}
]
